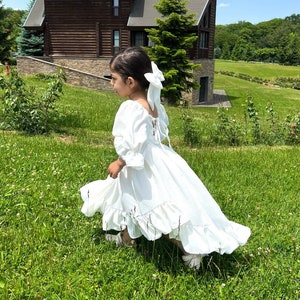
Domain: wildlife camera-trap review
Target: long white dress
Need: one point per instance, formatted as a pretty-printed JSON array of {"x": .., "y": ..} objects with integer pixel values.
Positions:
[{"x": 157, "y": 193}]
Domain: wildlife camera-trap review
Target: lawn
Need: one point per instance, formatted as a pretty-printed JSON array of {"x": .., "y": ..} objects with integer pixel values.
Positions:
[
  {"x": 255, "y": 69},
  {"x": 49, "y": 250}
]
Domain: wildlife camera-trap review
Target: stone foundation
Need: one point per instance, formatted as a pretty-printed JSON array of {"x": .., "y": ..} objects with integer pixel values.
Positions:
[
  {"x": 89, "y": 72},
  {"x": 206, "y": 70}
]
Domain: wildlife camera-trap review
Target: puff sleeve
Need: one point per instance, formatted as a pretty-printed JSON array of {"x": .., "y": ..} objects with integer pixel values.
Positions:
[{"x": 130, "y": 133}]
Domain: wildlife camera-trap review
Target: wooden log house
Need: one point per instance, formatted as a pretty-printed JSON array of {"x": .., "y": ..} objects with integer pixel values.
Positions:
[{"x": 97, "y": 29}]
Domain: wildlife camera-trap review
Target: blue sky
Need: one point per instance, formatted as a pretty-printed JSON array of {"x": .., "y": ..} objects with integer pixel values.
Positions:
[
  {"x": 16, "y": 4},
  {"x": 254, "y": 11},
  {"x": 228, "y": 11}
]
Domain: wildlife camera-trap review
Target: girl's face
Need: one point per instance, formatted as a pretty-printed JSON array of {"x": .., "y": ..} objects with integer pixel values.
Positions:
[{"x": 123, "y": 88}]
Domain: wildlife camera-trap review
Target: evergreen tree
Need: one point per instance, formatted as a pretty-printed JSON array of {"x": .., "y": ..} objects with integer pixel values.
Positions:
[
  {"x": 30, "y": 42},
  {"x": 172, "y": 39}
]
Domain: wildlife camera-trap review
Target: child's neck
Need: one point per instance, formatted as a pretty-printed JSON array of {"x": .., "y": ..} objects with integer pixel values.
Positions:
[{"x": 138, "y": 95}]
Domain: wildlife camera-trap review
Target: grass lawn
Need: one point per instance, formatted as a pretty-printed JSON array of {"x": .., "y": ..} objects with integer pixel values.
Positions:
[
  {"x": 49, "y": 250},
  {"x": 255, "y": 69}
]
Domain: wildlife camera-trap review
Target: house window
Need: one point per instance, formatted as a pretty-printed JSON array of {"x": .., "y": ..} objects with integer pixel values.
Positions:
[
  {"x": 115, "y": 5},
  {"x": 203, "y": 40},
  {"x": 116, "y": 41},
  {"x": 206, "y": 18},
  {"x": 138, "y": 38},
  {"x": 205, "y": 21}
]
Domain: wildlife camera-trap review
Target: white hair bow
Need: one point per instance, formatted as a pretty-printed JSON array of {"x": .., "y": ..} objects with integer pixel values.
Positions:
[{"x": 155, "y": 78}]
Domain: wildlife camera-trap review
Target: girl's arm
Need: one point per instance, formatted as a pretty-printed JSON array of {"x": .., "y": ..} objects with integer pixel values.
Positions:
[{"x": 115, "y": 167}]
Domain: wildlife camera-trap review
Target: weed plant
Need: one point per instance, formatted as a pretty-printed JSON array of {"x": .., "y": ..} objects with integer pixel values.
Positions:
[
  {"x": 49, "y": 250},
  {"x": 252, "y": 130},
  {"x": 26, "y": 110}
]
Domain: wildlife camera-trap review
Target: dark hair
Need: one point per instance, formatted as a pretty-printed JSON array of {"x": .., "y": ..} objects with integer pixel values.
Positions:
[{"x": 133, "y": 62}]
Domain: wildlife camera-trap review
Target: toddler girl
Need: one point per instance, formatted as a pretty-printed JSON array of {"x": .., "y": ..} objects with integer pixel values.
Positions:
[{"x": 150, "y": 189}]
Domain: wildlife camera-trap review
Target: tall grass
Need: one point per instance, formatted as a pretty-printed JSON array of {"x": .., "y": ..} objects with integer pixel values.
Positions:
[{"x": 49, "y": 250}]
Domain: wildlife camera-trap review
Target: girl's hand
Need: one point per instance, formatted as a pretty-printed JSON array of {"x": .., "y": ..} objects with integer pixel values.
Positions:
[{"x": 115, "y": 168}]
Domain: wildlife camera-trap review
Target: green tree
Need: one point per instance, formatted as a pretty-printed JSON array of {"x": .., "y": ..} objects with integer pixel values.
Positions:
[
  {"x": 265, "y": 33},
  {"x": 289, "y": 50},
  {"x": 4, "y": 35},
  {"x": 172, "y": 38},
  {"x": 244, "y": 48},
  {"x": 265, "y": 54},
  {"x": 13, "y": 20},
  {"x": 226, "y": 37},
  {"x": 30, "y": 42},
  {"x": 9, "y": 29},
  {"x": 276, "y": 40}
]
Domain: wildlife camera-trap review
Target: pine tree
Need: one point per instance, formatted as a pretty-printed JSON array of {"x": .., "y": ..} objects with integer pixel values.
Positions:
[
  {"x": 172, "y": 38},
  {"x": 30, "y": 42}
]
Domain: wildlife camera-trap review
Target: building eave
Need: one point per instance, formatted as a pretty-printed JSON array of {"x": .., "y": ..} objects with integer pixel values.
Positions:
[
  {"x": 36, "y": 16},
  {"x": 144, "y": 13}
]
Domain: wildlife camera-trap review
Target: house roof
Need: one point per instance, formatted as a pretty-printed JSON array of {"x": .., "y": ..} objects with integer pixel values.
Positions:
[
  {"x": 36, "y": 15},
  {"x": 144, "y": 14}
]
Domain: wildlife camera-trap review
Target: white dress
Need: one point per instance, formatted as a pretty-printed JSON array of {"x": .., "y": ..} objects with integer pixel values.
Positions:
[{"x": 157, "y": 193}]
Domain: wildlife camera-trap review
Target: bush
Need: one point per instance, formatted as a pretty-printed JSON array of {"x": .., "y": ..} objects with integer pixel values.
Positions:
[
  {"x": 293, "y": 129},
  {"x": 26, "y": 110},
  {"x": 228, "y": 129},
  {"x": 254, "y": 130},
  {"x": 191, "y": 133}
]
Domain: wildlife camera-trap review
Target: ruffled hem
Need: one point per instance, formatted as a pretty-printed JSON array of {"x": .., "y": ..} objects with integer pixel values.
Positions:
[
  {"x": 195, "y": 239},
  {"x": 166, "y": 219}
]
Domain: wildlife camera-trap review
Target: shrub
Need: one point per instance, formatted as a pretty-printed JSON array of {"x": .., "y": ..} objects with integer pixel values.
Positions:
[
  {"x": 228, "y": 129},
  {"x": 293, "y": 129},
  {"x": 191, "y": 133},
  {"x": 26, "y": 110},
  {"x": 255, "y": 130},
  {"x": 252, "y": 114}
]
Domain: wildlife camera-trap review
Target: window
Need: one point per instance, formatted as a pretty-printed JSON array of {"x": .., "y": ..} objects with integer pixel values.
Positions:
[
  {"x": 116, "y": 41},
  {"x": 206, "y": 18},
  {"x": 115, "y": 5},
  {"x": 138, "y": 38},
  {"x": 203, "y": 39}
]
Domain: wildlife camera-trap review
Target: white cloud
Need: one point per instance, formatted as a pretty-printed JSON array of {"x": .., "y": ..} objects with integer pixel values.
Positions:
[{"x": 224, "y": 4}]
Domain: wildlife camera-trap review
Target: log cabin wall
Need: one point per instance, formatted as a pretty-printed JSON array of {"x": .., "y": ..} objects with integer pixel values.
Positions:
[
  {"x": 212, "y": 28},
  {"x": 79, "y": 35},
  {"x": 207, "y": 27},
  {"x": 84, "y": 27},
  {"x": 206, "y": 32}
]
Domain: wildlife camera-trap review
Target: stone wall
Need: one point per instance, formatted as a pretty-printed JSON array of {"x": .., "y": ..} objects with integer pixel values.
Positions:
[
  {"x": 207, "y": 69},
  {"x": 89, "y": 72},
  {"x": 79, "y": 72}
]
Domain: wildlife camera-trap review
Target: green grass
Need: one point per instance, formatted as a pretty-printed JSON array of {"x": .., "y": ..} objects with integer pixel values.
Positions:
[
  {"x": 49, "y": 250},
  {"x": 261, "y": 70},
  {"x": 285, "y": 101}
]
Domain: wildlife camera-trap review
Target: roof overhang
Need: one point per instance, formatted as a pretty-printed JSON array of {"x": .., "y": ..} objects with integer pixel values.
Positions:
[
  {"x": 144, "y": 13},
  {"x": 36, "y": 16}
]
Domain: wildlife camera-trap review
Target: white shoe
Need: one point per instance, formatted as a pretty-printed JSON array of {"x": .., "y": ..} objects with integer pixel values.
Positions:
[
  {"x": 193, "y": 261},
  {"x": 117, "y": 238}
]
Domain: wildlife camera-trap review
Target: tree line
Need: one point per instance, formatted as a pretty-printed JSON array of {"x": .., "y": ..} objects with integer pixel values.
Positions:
[{"x": 276, "y": 41}]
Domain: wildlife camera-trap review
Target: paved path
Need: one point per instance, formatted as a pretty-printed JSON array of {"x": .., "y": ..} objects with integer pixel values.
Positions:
[{"x": 220, "y": 100}]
